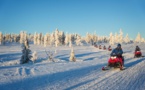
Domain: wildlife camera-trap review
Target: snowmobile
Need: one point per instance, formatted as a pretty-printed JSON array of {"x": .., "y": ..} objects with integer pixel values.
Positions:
[
  {"x": 96, "y": 46},
  {"x": 100, "y": 47},
  {"x": 104, "y": 48},
  {"x": 109, "y": 48},
  {"x": 137, "y": 54},
  {"x": 114, "y": 62}
]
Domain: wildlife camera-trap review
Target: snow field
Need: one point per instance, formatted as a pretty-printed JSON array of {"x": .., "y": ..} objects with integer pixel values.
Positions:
[{"x": 62, "y": 74}]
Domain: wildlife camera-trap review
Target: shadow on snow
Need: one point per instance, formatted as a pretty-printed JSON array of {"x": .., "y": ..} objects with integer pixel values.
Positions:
[{"x": 49, "y": 80}]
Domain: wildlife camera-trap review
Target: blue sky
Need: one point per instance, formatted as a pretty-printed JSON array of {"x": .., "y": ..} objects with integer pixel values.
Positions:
[{"x": 73, "y": 16}]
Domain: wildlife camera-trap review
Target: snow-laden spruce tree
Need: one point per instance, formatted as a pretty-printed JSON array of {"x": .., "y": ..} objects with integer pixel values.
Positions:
[
  {"x": 120, "y": 39},
  {"x": 70, "y": 40},
  {"x": 95, "y": 38},
  {"x": 1, "y": 38},
  {"x": 34, "y": 56},
  {"x": 38, "y": 39},
  {"x": 56, "y": 38},
  {"x": 15, "y": 37},
  {"x": 41, "y": 39},
  {"x": 111, "y": 39},
  {"x": 88, "y": 37},
  {"x": 8, "y": 38},
  {"x": 78, "y": 40},
  {"x": 61, "y": 37},
  {"x": 116, "y": 38},
  {"x": 138, "y": 38},
  {"x": 143, "y": 40},
  {"x": 11, "y": 38},
  {"x": 91, "y": 39},
  {"x": 25, "y": 58},
  {"x": 35, "y": 38},
  {"x": 52, "y": 39},
  {"x": 70, "y": 43},
  {"x": 72, "y": 56},
  {"x": 67, "y": 39},
  {"x": 22, "y": 37},
  {"x": 46, "y": 40},
  {"x": 126, "y": 39}
]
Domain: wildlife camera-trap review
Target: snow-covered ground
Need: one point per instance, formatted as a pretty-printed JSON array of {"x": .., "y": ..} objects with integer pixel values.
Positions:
[{"x": 85, "y": 73}]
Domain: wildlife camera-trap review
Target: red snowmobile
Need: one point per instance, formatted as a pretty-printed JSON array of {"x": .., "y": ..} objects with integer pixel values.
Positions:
[
  {"x": 109, "y": 48},
  {"x": 115, "y": 62},
  {"x": 96, "y": 46},
  {"x": 137, "y": 54},
  {"x": 104, "y": 48},
  {"x": 100, "y": 47}
]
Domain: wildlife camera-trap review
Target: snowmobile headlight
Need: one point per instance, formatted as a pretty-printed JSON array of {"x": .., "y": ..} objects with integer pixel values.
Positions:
[{"x": 113, "y": 57}]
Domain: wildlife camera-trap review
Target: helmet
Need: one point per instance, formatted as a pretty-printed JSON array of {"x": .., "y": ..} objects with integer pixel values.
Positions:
[
  {"x": 113, "y": 54},
  {"x": 119, "y": 45}
]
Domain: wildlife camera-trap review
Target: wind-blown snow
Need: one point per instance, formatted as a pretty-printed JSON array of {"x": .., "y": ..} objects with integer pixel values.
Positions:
[{"x": 62, "y": 74}]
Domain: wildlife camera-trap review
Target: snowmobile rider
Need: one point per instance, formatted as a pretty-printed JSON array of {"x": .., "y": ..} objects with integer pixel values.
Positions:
[
  {"x": 109, "y": 48},
  {"x": 118, "y": 52},
  {"x": 137, "y": 48}
]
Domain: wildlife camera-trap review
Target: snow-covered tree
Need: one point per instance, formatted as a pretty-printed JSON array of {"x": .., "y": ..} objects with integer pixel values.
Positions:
[
  {"x": 61, "y": 37},
  {"x": 46, "y": 40},
  {"x": 67, "y": 39},
  {"x": 15, "y": 37},
  {"x": 111, "y": 39},
  {"x": 52, "y": 39},
  {"x": 120, "y": 39},
  {"x": 35, "y": 38},
  {"x": 78, "y": 40},
  {"x": 71, "y": 39},
  {"x": 138, "y": 38},
  {"x": 38, "y": 39},
  {"x": 23, "y": 37},
  {"x": 88, "y": 38},
  {"x": 34, "y": 56},
  {"x": 56, "y": 38},
  {"x": 7, "y": 37},
  {"x": 70, "y": 44},
  {"x": 142, "y": 40},
  {"x": 116, "y": 38},
  {"x": 1, "y": 38},
  {"x": 72, "y": 56},
  {"x": 126, "y": 39},
  {"x": 25, "y": 52},
  {"x": 94, "y": 38}
]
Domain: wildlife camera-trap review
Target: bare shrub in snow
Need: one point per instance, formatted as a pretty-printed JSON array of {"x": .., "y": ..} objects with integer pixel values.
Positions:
[{"x": 50, "y": 56}]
